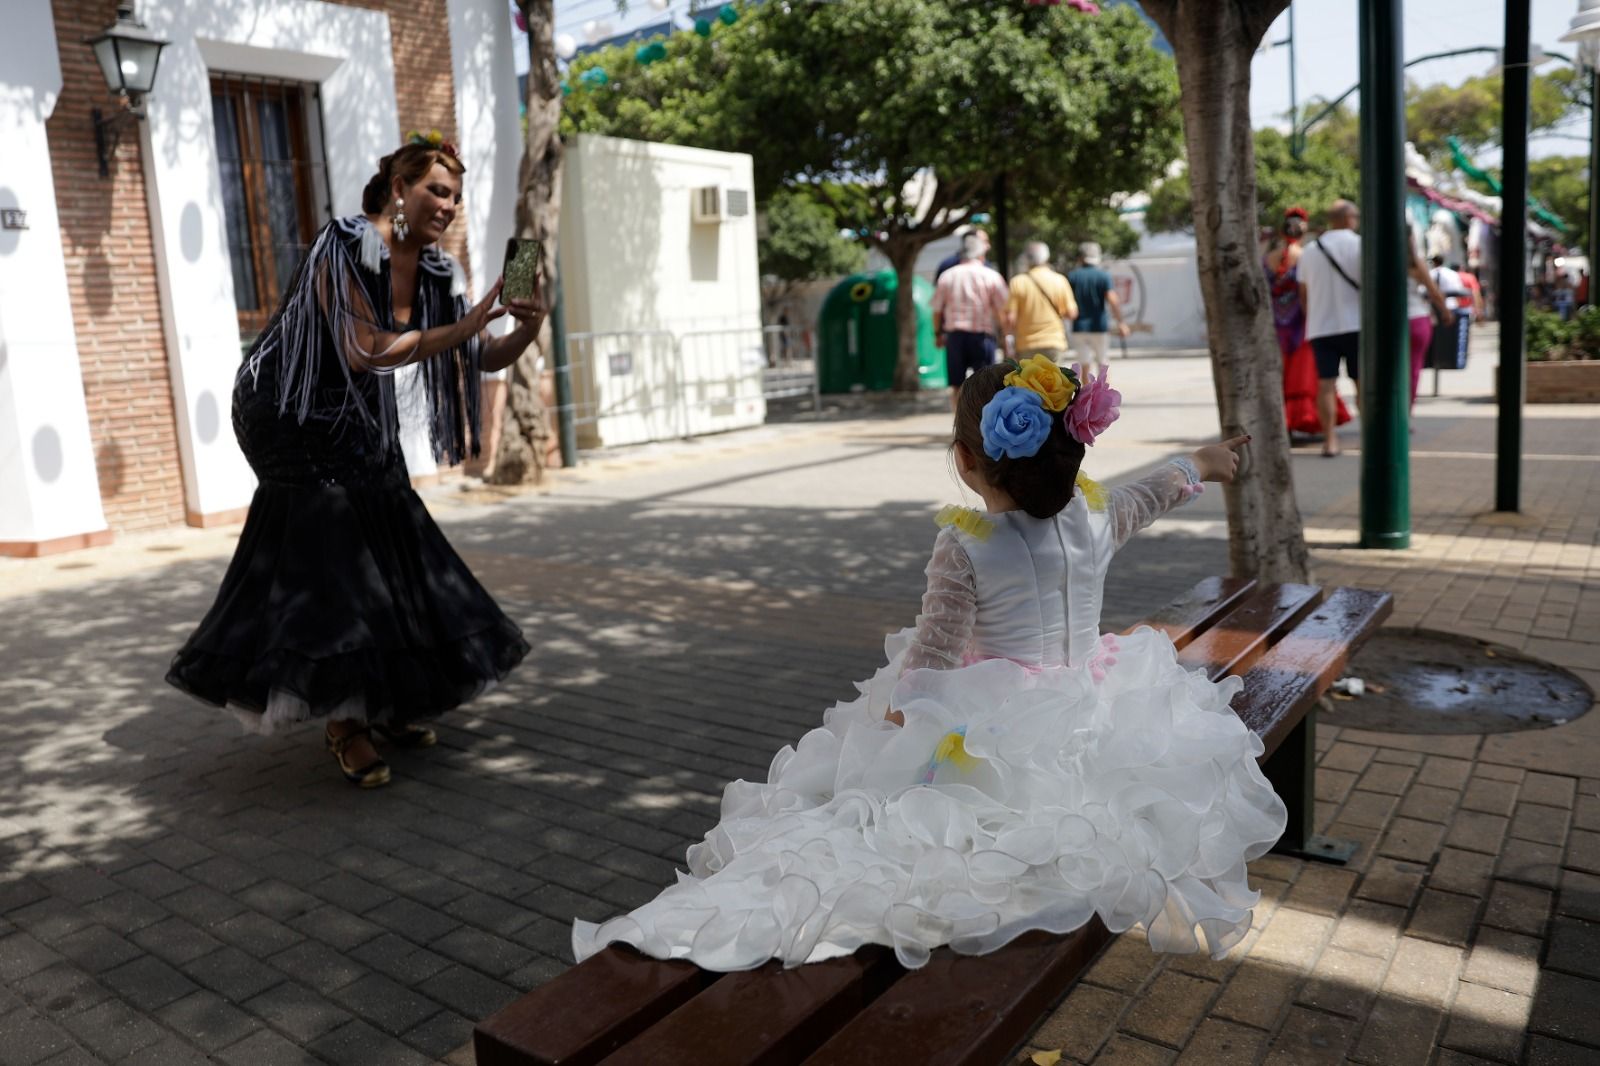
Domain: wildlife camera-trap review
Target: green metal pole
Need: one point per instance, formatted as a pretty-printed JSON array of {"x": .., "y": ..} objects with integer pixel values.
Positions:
[
  {"x": 1594, "y": 179},
  {"x": 1513, "y": 260},
  {"x": 563, "y": 372},
  {"x": 1385, "y": 338}
]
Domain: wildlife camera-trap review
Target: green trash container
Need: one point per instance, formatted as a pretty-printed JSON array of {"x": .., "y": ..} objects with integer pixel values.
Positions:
[{"x": 858, "y": 340}]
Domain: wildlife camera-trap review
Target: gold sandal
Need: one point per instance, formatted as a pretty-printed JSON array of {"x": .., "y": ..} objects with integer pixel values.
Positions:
[{"x": 373, "y": 775}]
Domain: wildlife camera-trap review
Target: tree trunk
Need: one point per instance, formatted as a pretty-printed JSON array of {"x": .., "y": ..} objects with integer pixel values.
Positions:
[
  {"x": 901, "y": 251},
  {"x": 1213, "y": 43},
  {"x": 524, "y": 444}
]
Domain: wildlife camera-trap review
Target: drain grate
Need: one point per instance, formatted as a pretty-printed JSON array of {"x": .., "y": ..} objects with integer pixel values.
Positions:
[{"x": 1420, "y": 681}]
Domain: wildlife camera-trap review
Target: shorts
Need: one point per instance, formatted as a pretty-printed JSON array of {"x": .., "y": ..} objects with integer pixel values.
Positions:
[
  {"x": 966, "y": 353},
  {"x": 503, "y": 374},
  {"x": 1328, "y": 351},
  {"x": 1095, "y": 343}
]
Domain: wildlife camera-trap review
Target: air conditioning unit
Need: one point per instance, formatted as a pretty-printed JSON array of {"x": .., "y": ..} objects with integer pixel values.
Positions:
[{"x": 718, "y": 203}]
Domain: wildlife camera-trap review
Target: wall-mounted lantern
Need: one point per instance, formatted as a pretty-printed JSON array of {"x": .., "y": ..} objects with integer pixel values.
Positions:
[{"x": 128, "y": 55}]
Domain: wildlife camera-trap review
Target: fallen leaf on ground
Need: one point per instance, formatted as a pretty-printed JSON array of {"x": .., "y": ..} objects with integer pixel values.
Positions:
[{"x": 1046, "y": 1058}]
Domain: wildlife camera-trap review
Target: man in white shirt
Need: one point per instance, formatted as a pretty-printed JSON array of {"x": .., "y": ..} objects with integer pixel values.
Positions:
[{"x": 1330, "y": 292}]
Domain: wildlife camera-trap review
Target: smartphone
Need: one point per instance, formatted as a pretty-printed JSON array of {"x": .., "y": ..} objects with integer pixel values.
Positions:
[{"x": 524, "y": 262}]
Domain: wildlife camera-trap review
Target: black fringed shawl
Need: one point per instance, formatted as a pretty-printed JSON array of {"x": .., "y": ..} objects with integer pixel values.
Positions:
[{"x": 311, "y": 348}]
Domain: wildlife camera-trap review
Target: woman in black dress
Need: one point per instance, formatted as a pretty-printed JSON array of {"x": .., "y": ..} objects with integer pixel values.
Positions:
[{"x": 344, "y": 601}]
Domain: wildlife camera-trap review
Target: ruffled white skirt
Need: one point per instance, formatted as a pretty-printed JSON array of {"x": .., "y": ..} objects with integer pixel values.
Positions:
[{"x": 1012, "y": 799}]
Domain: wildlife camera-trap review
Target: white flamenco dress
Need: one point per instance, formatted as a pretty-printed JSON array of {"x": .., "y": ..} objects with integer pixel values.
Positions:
[{"x": 1044, "y": 775}]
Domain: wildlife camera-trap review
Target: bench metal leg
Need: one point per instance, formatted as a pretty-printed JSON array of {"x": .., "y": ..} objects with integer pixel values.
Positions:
[{"x": 1292, "y": 771}]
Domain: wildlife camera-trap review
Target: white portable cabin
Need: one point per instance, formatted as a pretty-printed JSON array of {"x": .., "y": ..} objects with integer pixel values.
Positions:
[{"x": 662, "y": 291}]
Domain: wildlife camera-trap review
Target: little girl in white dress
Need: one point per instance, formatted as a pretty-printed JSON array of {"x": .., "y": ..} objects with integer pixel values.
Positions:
[{"x": 1010, "y": 768}]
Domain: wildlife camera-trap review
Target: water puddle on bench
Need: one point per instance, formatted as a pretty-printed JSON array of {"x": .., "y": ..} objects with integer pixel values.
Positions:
[{"x": 1420, "y": 681}]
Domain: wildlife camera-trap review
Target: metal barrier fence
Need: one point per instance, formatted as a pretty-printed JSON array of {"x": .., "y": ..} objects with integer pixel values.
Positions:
[{"x": 664, "y": 384}]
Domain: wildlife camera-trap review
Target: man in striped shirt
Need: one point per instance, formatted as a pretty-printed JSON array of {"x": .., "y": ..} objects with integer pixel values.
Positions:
[{"x": 969, "y": 306}]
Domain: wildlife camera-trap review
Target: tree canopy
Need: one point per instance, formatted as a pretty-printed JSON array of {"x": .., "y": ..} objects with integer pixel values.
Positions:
[
  {"x": 800, "y": 239},
  {"x": 1324, "y": 173}
]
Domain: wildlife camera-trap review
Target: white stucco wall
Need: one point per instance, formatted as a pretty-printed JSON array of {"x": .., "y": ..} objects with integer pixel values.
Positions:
[
  {"x": 490, "y": 130},
  {"x": 48, "y": 485},
  {"x": 348, "y": 53}
]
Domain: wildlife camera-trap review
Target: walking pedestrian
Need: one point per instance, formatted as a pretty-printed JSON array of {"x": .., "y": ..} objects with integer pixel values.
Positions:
[
  {"x": 1331, "y": 295},
  {"x": 1041, "y": 303},
  {"x": 1423, "y": 300},
  {"x": 1095, "y": 296},
  {"x": 344, "y": 601},
  {"x": 1289, "y": 321},
  {"x": 969, "y": 306}
]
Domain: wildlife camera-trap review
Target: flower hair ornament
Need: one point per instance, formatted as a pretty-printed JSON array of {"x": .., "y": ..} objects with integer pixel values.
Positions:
[
  {"x": 1016, "y": 421},
  {"x": 432, "y": 139}
]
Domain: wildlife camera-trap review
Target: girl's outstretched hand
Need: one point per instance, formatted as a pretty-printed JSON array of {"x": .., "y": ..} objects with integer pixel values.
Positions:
[{"x": 1220, "y": 462}]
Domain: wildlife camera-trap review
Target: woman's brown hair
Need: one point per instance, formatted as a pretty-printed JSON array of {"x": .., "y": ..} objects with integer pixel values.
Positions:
[
  {"x": 410, "y": 163},
  {"x": 1041, "y": 483}
]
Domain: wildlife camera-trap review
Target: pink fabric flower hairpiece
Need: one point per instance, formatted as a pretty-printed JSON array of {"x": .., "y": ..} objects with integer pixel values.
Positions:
[{"x": 1094, "y": 408}]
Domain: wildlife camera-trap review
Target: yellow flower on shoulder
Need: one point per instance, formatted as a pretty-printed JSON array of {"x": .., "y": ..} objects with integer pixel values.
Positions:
[
  {"x": 1094, "y": 493},
  {"x": 965, "y": 519},
  {"x": 953, "y": 749},
  {"x": 1055, "y": 386}
]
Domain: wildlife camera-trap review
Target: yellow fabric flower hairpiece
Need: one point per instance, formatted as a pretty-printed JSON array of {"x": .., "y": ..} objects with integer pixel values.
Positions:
[{"x": 1055, "y": 386}]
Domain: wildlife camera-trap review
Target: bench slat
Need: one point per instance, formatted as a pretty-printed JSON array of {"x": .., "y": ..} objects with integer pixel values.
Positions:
[
  {"x": 966, "y": 1008},
  {"x": 582, "y": 1015},
  {"x": 1291, "y": 676},
  {"x": 769, "y": 1016},
  {"x": 1239, "y": 639},
  {"x": 1199, "y": 609}
]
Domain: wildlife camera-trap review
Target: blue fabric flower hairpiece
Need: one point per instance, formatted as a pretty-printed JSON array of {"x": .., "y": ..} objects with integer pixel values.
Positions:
[{"x": 1014, "y": 424}]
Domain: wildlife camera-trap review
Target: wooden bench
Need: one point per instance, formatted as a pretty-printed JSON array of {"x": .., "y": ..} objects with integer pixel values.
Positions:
[{"x": 1290, "y": 642}]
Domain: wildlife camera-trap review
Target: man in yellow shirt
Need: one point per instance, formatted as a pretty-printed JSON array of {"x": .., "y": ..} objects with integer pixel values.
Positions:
[{"x": 1041, "y": 301}]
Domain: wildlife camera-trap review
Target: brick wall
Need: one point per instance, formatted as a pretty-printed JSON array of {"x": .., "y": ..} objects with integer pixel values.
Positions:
[
  {"x": 111, "y": 273},
  {"x": 424, "y": 86},
  {"x": 111, "y": 277}
]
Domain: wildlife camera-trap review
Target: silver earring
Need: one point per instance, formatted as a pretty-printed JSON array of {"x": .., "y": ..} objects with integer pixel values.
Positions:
[{"x": 402, "y": 228}]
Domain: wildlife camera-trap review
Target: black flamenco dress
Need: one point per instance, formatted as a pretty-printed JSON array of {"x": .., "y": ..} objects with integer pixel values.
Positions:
[{"x": 344, "y": 599}]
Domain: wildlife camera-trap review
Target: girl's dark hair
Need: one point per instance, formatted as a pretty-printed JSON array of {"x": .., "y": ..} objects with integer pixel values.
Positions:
[
  {"x": 411, "y": 163},
  {"x": 1042, "y": 483}
]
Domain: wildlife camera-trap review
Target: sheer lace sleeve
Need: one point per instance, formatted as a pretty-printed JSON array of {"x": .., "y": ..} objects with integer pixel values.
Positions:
[
  {"x": 949, "y": 608},
  {"x": 1134, "y": 506}
]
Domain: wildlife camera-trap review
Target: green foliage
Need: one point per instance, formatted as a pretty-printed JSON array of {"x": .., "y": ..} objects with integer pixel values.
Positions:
[
  {"x": 875, "y": 95},
  {"x": 1102, "y": 224},
  {"x": 1550, "y": 338},
  {"x": 1323, "y": 174},
  {"x": 1471, "y": 111},
  {"x": 802, "y": 242},
  {"x": 1561, "y": 183}
]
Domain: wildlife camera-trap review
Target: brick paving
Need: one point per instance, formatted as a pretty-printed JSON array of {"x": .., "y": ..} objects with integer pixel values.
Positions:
[{"x": 173, "y": 892}]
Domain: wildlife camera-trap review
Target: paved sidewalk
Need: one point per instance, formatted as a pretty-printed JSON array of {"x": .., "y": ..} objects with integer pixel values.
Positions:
[{"x": 172, "y": 892}]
